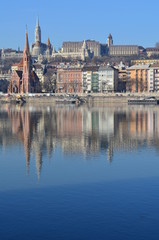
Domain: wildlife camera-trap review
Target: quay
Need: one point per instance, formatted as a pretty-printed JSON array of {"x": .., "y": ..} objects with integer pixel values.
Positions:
[
  {"x": 144, "y": 101},
  {"x": 51, "y": 98}
]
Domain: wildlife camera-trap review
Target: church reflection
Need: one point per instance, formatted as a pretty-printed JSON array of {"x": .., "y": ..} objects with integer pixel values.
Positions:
[{"x": 83, "y": 130}]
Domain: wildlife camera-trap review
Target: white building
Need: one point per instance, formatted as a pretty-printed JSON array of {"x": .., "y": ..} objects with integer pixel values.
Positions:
[
  {"x": 90, "y": 79},
  {"x": 108, "y": 79},
  {"x": 153, "y": 78}
]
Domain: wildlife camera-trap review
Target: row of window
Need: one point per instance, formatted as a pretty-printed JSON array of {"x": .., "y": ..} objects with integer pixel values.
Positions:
[
  {"x": 70, "y": 80},
  {"x": 70, "y": 75}
]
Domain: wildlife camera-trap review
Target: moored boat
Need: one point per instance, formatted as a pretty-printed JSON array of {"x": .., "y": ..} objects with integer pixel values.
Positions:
[{"x": 146, "y": 101}]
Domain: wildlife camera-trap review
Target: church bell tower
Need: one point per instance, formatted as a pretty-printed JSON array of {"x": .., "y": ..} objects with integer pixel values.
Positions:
[{"x": 37, "y": 32}]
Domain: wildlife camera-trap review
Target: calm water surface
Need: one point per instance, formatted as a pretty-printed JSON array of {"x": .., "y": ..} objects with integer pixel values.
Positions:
[{"x": 79, "y": 173}]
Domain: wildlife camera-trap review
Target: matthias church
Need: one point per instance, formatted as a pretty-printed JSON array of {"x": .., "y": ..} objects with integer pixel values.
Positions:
[{"x": 39, "y": 49}]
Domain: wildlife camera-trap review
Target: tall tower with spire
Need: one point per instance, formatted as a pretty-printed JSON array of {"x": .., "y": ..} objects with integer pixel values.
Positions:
[
  {"x": 26, "y": 88},
  {"x": 110, "y": 40},
  {"x": 37, "y": 32}
]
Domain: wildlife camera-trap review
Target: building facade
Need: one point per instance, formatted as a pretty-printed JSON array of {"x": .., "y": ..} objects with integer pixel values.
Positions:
[
  {"x": 152, "y": 52},
  {"x": 153, "y": 78},
  {"x": 75, "y": 49},
  {"x": 90, "y": 79},
  {"x": 138, "y": 78},
  {"x": 123, "y": 50},
  {"x": 11, "y": 54},
  {"x": 108, "y": 79},
  {"x": 69, "y": 80}
]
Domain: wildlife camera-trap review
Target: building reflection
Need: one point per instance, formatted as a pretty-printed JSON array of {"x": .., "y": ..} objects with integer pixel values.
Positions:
[{"x": 83, "y": 130}]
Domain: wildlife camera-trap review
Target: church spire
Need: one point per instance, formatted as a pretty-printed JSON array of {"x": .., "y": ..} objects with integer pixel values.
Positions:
[
  {"x": 48, "y": 43},
  {"x": 37, "y": 23},
  {"x": 26, "y": 48}
]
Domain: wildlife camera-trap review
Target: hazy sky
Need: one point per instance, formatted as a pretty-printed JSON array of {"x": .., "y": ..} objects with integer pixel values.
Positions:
[{"x": 129, "y": 22}]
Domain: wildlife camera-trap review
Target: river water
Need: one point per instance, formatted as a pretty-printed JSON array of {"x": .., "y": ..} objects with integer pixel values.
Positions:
[{"x": 79, "y": 172}]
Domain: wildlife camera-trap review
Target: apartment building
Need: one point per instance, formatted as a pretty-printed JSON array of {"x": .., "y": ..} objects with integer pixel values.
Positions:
[
  {"x": 90, "y": 80},
  {"x": 69, "y": 80},
  {"x": 153, "y": 77},
  {"x": 138, "y": 78},
  {"x": 108, "y": 79}
]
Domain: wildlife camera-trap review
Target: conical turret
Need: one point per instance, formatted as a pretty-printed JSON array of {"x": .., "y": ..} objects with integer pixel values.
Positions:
[{"x": 48, "y": 43}]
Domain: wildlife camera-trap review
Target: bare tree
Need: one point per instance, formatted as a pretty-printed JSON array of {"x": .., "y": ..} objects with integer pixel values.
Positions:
[
  {"x": 49, "y": 84},
  {"x": 4, "y": 84}
]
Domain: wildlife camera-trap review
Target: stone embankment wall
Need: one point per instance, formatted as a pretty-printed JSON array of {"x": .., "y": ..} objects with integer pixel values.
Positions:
[{"x": 89, "y": 98}]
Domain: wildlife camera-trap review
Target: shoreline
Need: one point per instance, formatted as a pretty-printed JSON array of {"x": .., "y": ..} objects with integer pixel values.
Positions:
[{"x": 90, "y": 98}]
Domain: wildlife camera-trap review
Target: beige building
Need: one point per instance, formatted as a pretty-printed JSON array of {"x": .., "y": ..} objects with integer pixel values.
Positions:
[
  {"x": 152, "y": 52},
  {"x": 76, "y": 49},
  {"x": 144, "y": 61},
  {"x": 123, "y": 50},
  {"x": 11, "y": 54}
]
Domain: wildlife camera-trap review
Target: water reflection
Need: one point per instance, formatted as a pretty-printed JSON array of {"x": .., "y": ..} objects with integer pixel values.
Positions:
[{"x": 83, "y": 130}]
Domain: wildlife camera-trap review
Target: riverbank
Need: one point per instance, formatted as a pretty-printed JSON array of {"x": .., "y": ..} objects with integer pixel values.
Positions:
[{"x": 88, "y": 98}]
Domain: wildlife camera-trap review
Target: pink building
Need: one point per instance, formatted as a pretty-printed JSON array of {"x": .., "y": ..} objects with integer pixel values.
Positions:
[{"x": 69, "y": 80}]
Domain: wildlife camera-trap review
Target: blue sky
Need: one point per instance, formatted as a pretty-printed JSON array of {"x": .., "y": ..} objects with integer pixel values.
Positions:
[{"x": 129, "y": 22}]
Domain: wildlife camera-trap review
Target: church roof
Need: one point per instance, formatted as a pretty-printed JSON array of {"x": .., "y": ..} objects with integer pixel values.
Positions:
[
  {"x": 26, "y": 48},
  {"x": 90, "y": 68},
  {"x": 19, "y": 73},
  {"x": 106, "y": 68},
  {"x": 48, "y": 43},
  {"x": 21, "y": 63},
  {"x": 109, "y": 36}
]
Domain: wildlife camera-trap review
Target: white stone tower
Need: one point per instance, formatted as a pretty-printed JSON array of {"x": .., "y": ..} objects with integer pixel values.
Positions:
[
  {"x": 84, "y": 51},
  {"x": 37, "y": 32}
]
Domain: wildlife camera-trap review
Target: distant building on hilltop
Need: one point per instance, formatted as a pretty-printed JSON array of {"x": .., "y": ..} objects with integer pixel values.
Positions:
[
  {"x": 152, "y": 52},
  {"x": 123, "y": 50},
  {"x": 24, "y": 79},
  {"x": 11, "y": 54},
  {"x": 79, "y": 50},
  {"x": 38, "y": 48},
  {"x": 109, "y": 40}
]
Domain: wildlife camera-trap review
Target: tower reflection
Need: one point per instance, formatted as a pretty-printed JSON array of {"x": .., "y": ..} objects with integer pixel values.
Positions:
[{"x": 86, "y": 131}]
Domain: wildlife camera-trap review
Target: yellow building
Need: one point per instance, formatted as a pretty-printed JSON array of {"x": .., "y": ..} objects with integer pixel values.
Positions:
[
  {"x": 144, "y": 61},
  {"x": 138, "y": 78}
]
